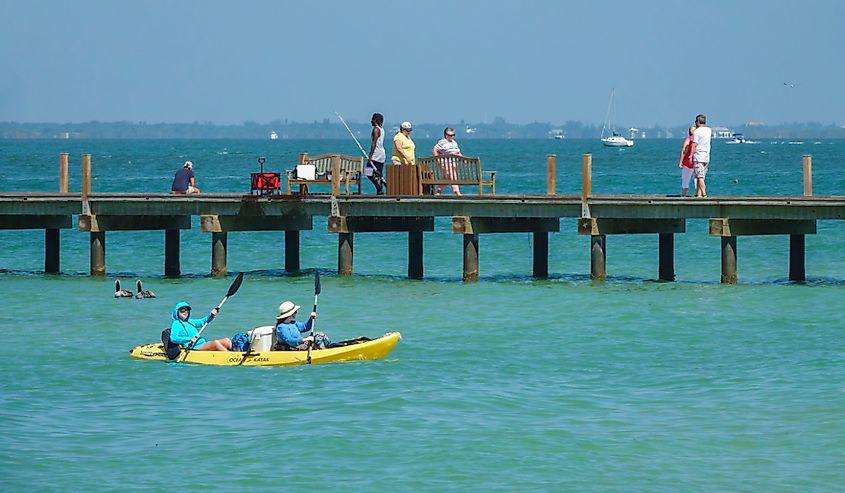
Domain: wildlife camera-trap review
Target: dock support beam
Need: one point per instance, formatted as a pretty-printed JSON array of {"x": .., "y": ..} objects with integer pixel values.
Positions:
[
  {"x": 796, "y": 258},
  {"x": 344, "y": 253},
  {"x": 415, "y": 254},
  {"x": 598, "y": 257},
  {"x": 666, "y": 255},
  {"x": 218, "y": 254},
  {"x": 171, "y": 253},
  {"x": 470, "y": 257},
  {"x": 541, "y": 254},
  {"x": 291, "y": 250},
  {"x": 52, "y": 243},
  {"x": 729, "y": 260},
  {"x": 98, "y": 253}
]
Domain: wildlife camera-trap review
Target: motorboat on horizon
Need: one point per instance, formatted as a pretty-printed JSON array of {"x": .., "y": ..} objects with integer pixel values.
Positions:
[{"x": 740, "y": 139}]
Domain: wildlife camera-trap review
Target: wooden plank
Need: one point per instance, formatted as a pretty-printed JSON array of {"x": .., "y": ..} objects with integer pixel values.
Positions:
[
  {"x": 747, "y": 227},
  {"x": 616, "y": 226},
  {"x": 96, "y": 223},
  {"x": 475, "y": 225},
  {"x": 27, "y": 221},
  {"x": 351, "y": 224}
]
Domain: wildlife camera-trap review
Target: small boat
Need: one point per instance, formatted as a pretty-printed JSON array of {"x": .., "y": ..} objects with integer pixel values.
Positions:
[
  {"x": 740, "y": 139},
  {"x": 614, "y": 140},
  {"x": 274, "y": 135},
  {"x": 361, "y": 348}
]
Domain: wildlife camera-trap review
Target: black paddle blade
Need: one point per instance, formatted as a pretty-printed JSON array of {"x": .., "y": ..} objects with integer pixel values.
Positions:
[
  {"x": 235, "y": 285},
  {"x": 316, "y": 282}
]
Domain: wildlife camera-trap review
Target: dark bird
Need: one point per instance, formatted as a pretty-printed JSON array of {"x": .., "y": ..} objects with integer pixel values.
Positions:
[
  {"x": 789, "y": 84},
  {"x": 142, "y": 293},
  {"x": 121, "y": 293}
]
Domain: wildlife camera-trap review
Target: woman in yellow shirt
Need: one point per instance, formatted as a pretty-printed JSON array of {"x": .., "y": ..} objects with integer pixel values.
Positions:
[{"x": 403, "y": 146}]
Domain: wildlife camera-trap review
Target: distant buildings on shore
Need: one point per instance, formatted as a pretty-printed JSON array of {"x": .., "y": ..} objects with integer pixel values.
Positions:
[{"x": 326, "y": 129}]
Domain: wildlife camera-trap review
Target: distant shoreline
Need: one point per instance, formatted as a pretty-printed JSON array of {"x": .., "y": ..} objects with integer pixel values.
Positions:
[{"x": 327, "y": 129}]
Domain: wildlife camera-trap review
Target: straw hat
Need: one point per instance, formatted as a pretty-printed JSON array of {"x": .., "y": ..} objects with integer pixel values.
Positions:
[{"x": 287, "y": 309}]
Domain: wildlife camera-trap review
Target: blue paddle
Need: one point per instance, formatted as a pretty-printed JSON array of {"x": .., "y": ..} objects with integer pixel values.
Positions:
[{"x": 236, "y": 284}]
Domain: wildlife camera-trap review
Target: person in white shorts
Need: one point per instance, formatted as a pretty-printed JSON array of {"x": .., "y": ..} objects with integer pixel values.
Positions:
[{"x": 700, "y": 154}]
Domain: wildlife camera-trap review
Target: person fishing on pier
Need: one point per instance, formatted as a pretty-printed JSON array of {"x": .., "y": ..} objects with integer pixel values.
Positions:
[{"x": 375, "y": 160}]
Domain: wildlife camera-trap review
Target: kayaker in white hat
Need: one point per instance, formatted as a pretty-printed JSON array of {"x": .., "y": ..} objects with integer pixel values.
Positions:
[{"x": 289, "y": 332}]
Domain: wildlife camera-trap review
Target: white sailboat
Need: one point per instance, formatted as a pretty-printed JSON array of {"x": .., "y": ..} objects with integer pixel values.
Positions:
[{"x": 614, "y": 139}]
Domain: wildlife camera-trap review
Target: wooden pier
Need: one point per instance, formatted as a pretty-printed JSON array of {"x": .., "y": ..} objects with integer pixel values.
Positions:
[{"x": 599, "y": 216}]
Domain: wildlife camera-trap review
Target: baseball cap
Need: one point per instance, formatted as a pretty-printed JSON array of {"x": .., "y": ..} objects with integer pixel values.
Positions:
[{"x": 405, "y": 126}]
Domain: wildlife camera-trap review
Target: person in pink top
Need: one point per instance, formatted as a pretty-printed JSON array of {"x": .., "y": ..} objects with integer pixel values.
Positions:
[{"x": 685, "y": 162}]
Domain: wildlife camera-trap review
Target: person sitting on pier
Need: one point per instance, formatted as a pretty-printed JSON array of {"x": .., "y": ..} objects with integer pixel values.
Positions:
[
  {"x": 184, "y": 330},
  {"x": 183, "y": 180},
  {"x": 289, "y": 331}
]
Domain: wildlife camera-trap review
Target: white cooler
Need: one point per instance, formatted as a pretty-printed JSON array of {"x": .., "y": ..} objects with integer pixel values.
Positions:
[{"x": 262, "y": 338}]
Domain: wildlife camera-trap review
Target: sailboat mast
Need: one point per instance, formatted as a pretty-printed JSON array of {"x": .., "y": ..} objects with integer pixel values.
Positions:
[{"x": 607, "y": 115}]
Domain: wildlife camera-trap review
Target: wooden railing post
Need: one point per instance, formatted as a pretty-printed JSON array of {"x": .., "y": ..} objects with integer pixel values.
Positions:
[
  {"x": 86, "y": 183},
  {"x": 551, "y": 174},
  {"x": 63, "y": 172},
  {"x": 586, "y": 177},
  {"x": 336, "y": 175},
  {"x": 808, "y": 175}
]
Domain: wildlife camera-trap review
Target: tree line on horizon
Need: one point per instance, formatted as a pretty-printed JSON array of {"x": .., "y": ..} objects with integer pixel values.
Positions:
[{"x": 328, "y": 129}]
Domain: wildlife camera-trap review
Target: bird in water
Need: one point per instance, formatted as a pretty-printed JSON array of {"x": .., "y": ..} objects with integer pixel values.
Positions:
[
  {"x": 121, "y": 293},
  {"x": 143, "y": 293}
]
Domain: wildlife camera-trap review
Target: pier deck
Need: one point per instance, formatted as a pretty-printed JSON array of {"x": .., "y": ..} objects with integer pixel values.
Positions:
[{"x": 598, "y": 216}]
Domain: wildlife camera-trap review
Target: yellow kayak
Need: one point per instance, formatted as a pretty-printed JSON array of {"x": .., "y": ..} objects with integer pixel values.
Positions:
[{"x": 365, "y": 349}]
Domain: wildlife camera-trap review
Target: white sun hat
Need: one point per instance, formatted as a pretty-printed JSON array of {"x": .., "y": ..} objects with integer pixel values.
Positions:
[{"x": 286, "y": 309}]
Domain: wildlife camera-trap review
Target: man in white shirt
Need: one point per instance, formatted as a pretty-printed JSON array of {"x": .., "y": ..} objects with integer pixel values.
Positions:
[{"x": 700, "y": 150}]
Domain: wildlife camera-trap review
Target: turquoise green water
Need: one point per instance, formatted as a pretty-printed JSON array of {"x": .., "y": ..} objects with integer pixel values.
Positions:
[{"x": 508, "y": 384}]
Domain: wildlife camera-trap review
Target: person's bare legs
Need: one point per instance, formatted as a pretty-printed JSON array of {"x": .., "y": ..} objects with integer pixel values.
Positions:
[{"x": 224, "y": 344}]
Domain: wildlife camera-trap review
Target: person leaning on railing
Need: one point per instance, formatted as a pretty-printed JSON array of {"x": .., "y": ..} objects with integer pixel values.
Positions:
[{"x": 447, "y": 146}]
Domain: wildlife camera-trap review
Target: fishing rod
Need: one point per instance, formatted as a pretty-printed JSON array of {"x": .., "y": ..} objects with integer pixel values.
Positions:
[{"x": 366, "y": 156}]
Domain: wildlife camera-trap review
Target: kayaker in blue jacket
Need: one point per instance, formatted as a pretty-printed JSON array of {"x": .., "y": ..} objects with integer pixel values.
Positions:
[
  {"x": 184, "y": 329},
  {"x": 289, "y": 331}
]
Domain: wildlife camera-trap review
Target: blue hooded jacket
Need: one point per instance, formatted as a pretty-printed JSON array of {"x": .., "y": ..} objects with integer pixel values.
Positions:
[{"x": 182, "y": 331}]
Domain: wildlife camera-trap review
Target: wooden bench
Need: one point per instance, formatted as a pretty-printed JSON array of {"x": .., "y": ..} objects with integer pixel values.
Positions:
[
  {"x": 329, "y": 169},
  {"x": 448, "y": 169}
]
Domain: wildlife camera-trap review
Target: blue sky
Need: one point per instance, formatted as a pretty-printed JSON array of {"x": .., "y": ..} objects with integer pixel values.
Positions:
[{"x": 549, "y": 61}]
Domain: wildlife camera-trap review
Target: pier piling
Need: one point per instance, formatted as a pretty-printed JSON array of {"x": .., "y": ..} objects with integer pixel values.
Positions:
[
  {"x": 171, "y": 253},
  {"x": 796, "y": 258},
  {"x": 470, "y": 257},
  {"x": 291, "y": 250},
  {"x": 729, "y": 260},
  {"x": 52, "y": 247},
  {"x": 415, "y": 254},
  {"x": 598, "y": 257},
  {"x": 666, "y": 257},
  {"x": 98, "y": 253},
  {"x": 541, "y": 254},
  {"x": 344, "y": 253},
  {"x": 218, "y": 254}
]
